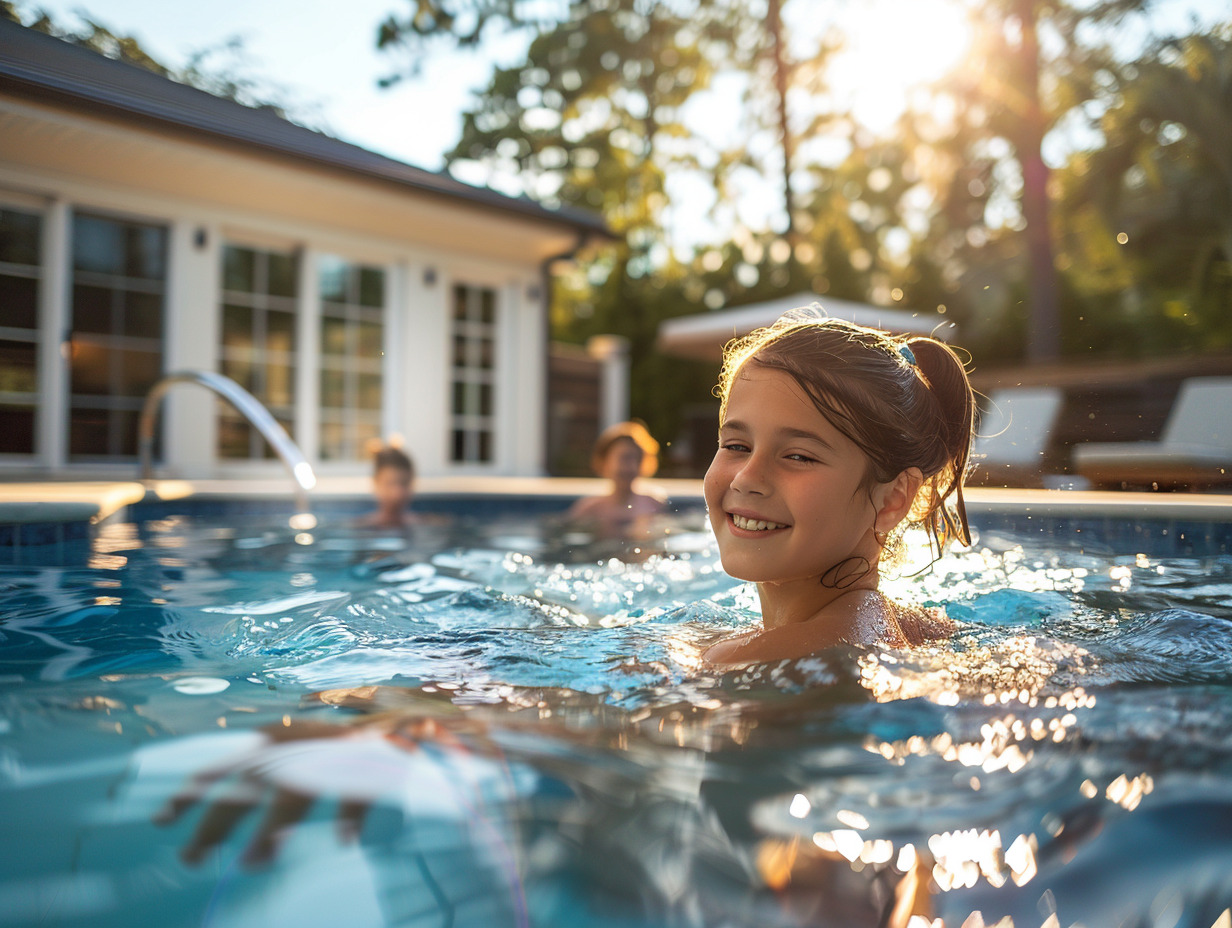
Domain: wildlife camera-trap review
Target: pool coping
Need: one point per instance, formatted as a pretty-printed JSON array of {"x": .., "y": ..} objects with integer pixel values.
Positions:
[{"x": 93, "y": 502}]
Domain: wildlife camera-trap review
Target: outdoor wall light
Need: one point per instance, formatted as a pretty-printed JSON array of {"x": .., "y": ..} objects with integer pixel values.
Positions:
[
  {"x": 532, "y": 294},
  {"x": 429, "y": 277},
  {"x": 200, "y": 239}
]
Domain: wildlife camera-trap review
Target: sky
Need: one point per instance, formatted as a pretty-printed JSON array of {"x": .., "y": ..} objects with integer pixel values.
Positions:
[{"x": 323, "y": 54}]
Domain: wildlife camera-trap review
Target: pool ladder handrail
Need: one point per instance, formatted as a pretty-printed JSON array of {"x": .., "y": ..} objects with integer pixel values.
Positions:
[{"x": 247, "y": 406}]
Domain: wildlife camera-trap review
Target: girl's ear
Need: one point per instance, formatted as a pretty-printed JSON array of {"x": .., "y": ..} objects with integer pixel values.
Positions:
[{"x": 895, "y": 499}]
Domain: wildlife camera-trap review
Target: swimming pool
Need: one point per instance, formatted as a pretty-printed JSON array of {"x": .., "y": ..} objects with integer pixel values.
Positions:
[{"x": 520, "y": 732}]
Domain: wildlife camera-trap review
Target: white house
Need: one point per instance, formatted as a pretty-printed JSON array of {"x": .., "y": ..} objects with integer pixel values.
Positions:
[{"x": 147, "y": 227}]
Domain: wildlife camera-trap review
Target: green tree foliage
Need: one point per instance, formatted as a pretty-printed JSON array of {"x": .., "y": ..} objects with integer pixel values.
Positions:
[
  {"x": 1149, "y": 212},
  {"x": 592, "y": 118},
  {"x": 1032, "y": 63},
  {"x": 953, "y": 211}
]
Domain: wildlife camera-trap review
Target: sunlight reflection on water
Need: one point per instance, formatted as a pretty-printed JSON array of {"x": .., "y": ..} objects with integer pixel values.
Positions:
[{"x": 556, "y": 698}]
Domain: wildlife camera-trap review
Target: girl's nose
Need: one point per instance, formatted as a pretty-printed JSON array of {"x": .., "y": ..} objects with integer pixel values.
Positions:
[{"x": 751, "y": 477}]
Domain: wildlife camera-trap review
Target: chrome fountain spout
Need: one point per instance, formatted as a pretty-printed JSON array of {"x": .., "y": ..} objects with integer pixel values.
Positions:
[{"x": 246, "y": 405}]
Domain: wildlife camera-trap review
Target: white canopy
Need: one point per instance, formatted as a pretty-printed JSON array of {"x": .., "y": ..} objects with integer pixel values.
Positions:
[{"x": 703, "y": 335}]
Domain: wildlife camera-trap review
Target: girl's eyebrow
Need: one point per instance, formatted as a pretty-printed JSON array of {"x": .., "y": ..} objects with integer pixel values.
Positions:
[
  {"x": 735, "y": 425},
  {"x": 805, "y": 433}
]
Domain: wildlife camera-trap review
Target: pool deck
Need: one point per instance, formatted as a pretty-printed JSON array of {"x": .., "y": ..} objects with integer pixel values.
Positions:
[{"x": 92, "y": 502}]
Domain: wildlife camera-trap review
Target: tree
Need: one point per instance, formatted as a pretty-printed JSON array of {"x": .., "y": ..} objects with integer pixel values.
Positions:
[
  {"x": 1019, "y": 87},
  {"x": 1155, "y": 199}
]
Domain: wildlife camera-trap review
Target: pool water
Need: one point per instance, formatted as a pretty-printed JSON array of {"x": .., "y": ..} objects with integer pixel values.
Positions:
[{"x": 233, "y": 721}]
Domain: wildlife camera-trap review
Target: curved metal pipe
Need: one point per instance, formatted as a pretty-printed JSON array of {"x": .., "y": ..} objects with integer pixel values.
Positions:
[{"x": 246, "y": 405}]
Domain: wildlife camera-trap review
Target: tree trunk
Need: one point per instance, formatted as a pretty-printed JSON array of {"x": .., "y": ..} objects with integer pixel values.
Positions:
[
  {"x": 774, "y": 22},
  {"x": 1044, "y": 322}
]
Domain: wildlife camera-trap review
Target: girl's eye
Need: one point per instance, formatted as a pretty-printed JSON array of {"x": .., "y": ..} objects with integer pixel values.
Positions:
[
  {"x": 734, "y": 446},
  {"x": 801, "y": 457}
]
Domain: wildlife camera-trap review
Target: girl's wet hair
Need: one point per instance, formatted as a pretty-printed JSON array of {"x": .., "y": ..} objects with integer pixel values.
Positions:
[{"x": 905, "y": 402}]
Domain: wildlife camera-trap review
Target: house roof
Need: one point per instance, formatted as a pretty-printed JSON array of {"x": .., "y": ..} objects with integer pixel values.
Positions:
[
  {"x": 703, "y": 335},
  {"x": 46, "y": 69}
]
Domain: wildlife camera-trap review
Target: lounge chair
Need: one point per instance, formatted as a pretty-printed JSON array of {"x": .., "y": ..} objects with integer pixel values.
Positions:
[
  {"x": 1195, "y": 450},
  {"x": 1013, "y": 437}
]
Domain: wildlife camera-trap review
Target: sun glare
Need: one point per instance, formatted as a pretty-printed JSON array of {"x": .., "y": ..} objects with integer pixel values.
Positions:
[{"x": 893, "y": 47}]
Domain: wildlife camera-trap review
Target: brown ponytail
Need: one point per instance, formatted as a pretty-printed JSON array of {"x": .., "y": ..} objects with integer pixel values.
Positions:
[{"x": 945, "y": 376}]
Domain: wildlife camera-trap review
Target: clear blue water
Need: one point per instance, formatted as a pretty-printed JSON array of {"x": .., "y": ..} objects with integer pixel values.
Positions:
[{"x": 546, "y": 748}]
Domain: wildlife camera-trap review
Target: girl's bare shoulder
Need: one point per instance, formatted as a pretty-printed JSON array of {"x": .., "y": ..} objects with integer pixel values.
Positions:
[{"x": 863, "y": 617}]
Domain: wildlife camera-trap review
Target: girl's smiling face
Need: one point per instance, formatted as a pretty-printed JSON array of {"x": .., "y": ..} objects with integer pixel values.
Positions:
[{"x": 786, "y": 491}]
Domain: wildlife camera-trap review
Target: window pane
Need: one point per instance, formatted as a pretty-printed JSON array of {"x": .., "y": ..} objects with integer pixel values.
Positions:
[
  {"x": 259, "y": 339},
  {"x": 239, "y": 370},
  {"x": 98, "y": 245},
  {"x": 333, "y": 389},
  {"x": 282, "y": 275},
  {"x": 123, "y": 436},
  {"x": 91, "y": 369},
  {"x": 92, "y": 309},
  {"x": 280, "y": 331},
  {"x": 234, "y": 436},
  {"x": 474, "y": 356},
  {"x": 279, "y": 385},
  {"x": 88, "y": 430},
  {"x": 143, "y": 315},
  {"x": 371, "y": 287},
  {"x": 371, "y": 337},
  {"x": 19, "y": 237},
  {"x": 332, "y": 440},
  {"x": 333, "y": 335},
  {"x": 370, "y": 391},
  {"x": 144, "y": 252},
  {"x": 139, "y": 370},
  {"x": 366, "y": 434},
  {"x": 239, "y": 269},
  {"x": 236, "y": 327},
  {"x": 333, "y": 280},
  {"x": 109, "y": 308},
  {"x": 18, "y": 302},
  {"x": 16, "y": 430},
  {"x": 18, "y": 367}
]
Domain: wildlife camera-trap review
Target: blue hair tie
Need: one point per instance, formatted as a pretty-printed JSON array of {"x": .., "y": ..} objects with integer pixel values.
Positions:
[{"x": 908, "y": 355}]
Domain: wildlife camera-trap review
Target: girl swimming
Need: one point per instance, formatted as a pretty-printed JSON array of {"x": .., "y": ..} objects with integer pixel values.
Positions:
[
  {"x": 832, "y": 438},
  {"x": 623, "y": 453}
]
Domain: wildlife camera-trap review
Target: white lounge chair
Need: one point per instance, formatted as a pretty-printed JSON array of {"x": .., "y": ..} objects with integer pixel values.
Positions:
[
  {"x": 1195, "y": 450},
  {"x": 1013, "y": 437}
]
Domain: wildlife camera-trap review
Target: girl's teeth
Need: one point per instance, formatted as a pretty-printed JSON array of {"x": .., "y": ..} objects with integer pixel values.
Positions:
[{"x": 754, "y": 525}]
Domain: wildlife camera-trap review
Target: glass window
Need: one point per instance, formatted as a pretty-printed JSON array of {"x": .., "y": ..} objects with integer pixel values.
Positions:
[
  {"x": 18, "y": 367},
  {"x": 20, "y": 270},
  {"x": 119, "y": 296},
  {"x": 352, "y": 356},
  {"x": 20, "y": 237},
  {"x": 257, "y": 342},
  {"x": 239, "y": 269},
  {"x": 474, "y": 363},
  {"x": 18, "y": 302}
]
